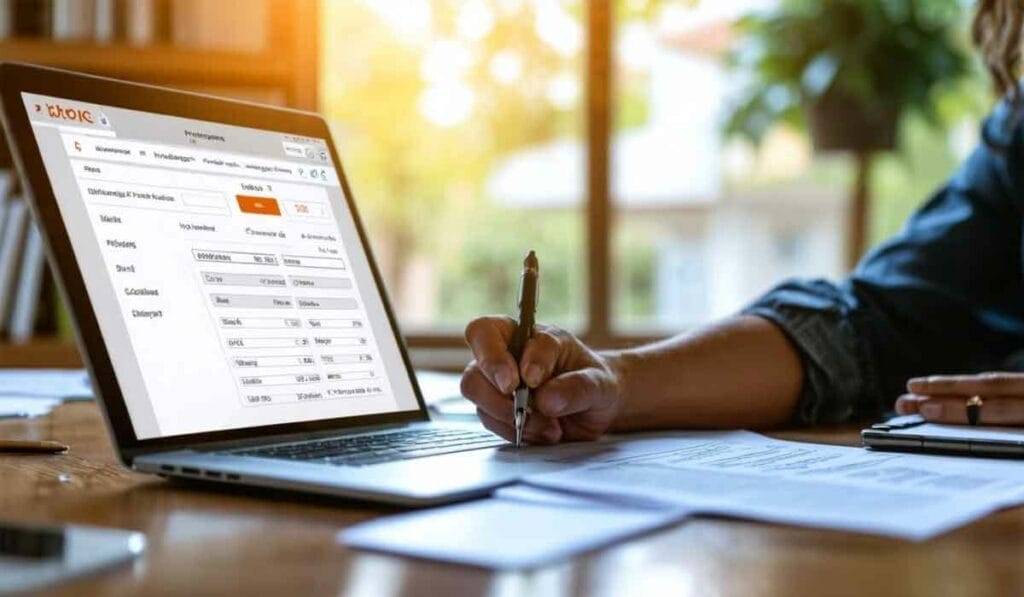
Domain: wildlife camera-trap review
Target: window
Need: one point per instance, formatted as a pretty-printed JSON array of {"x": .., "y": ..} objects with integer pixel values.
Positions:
[
  {"x": 593, "y": 132},
  {"x": 460, "y": 126},
  {"x": 704, "y": 222}
]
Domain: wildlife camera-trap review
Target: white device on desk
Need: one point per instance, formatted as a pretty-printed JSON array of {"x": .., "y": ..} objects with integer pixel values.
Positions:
[
  {"x": 912, "y": 433},
  {"x": 225, "y": 297}
]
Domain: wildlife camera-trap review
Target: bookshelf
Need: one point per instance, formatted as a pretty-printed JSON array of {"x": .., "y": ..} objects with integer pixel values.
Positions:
[
  {"x": 279, "y": 67},
  {"x": 287, "y": 64}
]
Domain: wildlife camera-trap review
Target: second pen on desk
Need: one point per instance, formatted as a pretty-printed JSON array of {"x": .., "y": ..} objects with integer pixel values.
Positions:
[{"x": 528, "y": 287}]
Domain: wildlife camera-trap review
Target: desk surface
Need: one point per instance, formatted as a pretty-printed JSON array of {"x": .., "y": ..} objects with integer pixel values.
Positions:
[{"x": 214, "y": 542}]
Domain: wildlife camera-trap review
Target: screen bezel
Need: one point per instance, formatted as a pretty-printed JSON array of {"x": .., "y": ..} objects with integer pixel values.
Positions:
[{"x": 16, "y": 79}]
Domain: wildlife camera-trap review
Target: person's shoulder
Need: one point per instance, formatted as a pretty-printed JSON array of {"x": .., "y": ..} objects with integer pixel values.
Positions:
[
  {"x": 998, "y": 163},
  {"x": 1003, "y": 128}
]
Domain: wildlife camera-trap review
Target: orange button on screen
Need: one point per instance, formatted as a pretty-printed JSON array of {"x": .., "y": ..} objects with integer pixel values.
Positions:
[{"x": 258, "y": 205}]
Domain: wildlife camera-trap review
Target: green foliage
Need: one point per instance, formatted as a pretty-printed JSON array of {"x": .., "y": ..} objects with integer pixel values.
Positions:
[
  {"x": 893, "y": 53},
  {"x": 635, "y": 259},
  {"x": 485, "y": 276}
]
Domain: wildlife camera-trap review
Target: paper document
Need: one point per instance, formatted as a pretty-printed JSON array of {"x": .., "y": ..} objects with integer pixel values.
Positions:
[
  {"x": 747, "y": 475},
  {"x": 65, "y": 384},
  {"x": 443, "y": 394},
  {"x": 520, "y": 527},
  {"x": 14, "y": 406}
]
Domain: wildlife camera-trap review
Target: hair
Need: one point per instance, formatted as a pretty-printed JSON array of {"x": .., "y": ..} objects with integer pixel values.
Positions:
[{"x": 997, "y": 35}]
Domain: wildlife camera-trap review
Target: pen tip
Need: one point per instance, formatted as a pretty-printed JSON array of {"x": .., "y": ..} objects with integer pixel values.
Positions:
[{"x": 531, "y": 260}]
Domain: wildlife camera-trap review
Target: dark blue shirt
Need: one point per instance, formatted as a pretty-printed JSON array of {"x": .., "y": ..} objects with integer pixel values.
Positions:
[{"x": 946, "y": 295}]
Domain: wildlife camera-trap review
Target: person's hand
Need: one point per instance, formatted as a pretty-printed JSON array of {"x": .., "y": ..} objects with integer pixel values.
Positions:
[
  {"x": 576, "y": 391},
  {"x": 942, "y": 398}
]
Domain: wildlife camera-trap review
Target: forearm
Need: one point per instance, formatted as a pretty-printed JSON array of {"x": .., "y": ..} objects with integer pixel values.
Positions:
[{"x": 741, "y": 373}]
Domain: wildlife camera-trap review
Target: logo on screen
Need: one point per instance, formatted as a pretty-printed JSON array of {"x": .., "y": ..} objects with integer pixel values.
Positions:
[{"x": 68, "y": 113}]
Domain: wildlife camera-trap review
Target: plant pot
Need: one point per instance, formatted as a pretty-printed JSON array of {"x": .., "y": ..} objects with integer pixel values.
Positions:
[{"x": 841, "y": 122}]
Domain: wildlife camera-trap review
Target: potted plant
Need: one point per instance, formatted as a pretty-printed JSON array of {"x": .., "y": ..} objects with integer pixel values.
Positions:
[{"x": 849, "y": 71}]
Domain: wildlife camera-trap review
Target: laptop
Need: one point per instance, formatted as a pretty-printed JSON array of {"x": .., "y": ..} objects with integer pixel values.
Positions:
[{"x": 225, "y": 296}]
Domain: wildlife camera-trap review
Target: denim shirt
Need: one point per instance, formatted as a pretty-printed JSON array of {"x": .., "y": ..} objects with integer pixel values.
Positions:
[{"x": 946, "y": 295}]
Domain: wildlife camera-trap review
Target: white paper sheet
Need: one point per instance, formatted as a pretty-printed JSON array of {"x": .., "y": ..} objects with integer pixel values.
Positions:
[
  {"x": 521, "y": 527},
  {"x": 443, "y": 395},
  {"x": 15, "y": 406},
  {"x": 65, "y": 384},
  {"x": 751, "y": 476}
]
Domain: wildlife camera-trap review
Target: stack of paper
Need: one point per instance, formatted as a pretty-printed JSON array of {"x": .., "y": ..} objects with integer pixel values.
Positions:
[
  {"x": 15, "y": 406},
  {"x": 653, "y": 480},
  {"x": 34, "y": 392},
  {"x": 66, "y": 384},
  {"x": 909, "y": 496}
]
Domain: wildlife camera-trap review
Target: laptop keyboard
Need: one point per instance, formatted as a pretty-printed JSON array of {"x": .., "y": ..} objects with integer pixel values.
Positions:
[{"x": 361, "y": 450}]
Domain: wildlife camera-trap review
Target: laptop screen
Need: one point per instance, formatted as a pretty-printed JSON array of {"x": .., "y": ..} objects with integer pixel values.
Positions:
[{"x": 224, "y": 268}]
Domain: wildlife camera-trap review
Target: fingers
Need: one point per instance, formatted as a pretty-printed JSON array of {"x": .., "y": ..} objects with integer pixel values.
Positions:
[
  {"x": 541, "y": 355},
  {"x": 905, "y": 405},
  {"x": 1000, "y": 410},
  {"x": 496, "y": 408},
  {"x": 497, "y": 427},
  {"x": 538, "y": 430},
  {"x": 569, "y": 393},
  {"x": 909, "y": 404},
  {"x": 482, "y": 392},
  {"x": 984, "y": 385},
  {"x": 488, "y": 338},
  {"x": 541, "y": 430}
]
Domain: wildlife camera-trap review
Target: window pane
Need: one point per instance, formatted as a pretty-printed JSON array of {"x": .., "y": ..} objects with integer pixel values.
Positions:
[
  {"x": 460, "y": 127},
  {"x": 706, "y": 222}
]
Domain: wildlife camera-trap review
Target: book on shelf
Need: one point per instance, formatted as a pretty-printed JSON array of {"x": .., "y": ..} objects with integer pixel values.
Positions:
[
  {"x": 6, "y": 25},
  {"x": 72, "y": 19},
  {"x": 11, "y": 248},
  {"x": 30, "y": 18},
  {"x": 204, "y": 24},
  {"x": 25, "y": 290},
  {"x": 28, "y": 287},
  {"x": 105, "y": 26},
  {"x": 147, "y": 22}
]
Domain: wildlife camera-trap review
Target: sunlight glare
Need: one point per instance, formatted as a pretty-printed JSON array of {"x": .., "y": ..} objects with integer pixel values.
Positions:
[
  {"x": 636, "y": 46},
  {"x": 447, "y": 104},
  {"x": 506, "y": 67},
  {"x": 410, "y": 18},
  {"x": 557, "y": 28},
  {"x": 445, "y": 61},
  {"x": 475, "y": 20},
  {"x": 563, "y": 91}
]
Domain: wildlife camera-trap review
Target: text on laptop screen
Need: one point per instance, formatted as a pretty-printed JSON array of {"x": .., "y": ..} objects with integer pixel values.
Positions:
[{"x": 224, "y": 268}]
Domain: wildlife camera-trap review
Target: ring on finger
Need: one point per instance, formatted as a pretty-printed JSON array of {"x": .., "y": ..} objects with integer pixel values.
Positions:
[{"x": 973, "y": 406}]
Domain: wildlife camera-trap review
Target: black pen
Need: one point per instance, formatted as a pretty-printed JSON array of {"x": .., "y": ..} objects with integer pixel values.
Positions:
[{"x": 528, "y": 286}]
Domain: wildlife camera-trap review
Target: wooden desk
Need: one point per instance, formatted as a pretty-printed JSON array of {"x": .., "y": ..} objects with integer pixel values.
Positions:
[{"x": 257, "y": 542}]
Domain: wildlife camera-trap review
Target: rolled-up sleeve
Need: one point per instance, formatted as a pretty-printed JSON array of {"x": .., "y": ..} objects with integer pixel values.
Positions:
[{"x": 944, "y": 296}]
